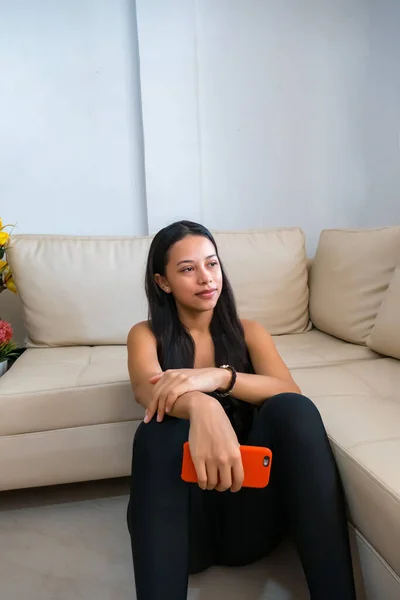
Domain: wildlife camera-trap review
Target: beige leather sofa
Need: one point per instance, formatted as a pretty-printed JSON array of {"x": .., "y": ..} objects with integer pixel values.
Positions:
[{"x": 67, "y": 412}]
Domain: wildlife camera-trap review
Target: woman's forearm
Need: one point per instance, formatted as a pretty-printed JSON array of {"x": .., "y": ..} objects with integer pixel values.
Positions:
[
  {"x": 183, "y": 407},
  {"x": 257, "y": 388},
  {"x": 188, "y": 403},
  {"x": 250, "y": 388}
]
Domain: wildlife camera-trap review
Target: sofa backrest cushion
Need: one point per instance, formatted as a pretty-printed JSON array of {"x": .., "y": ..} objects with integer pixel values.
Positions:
[
  {"x": 90, "y": 290},
  {"x": 385, "y": 335},
  {"x": 349, "y": 277},
  {"x": 79, "y": 290},
  {"x": 268, "y": 273}
]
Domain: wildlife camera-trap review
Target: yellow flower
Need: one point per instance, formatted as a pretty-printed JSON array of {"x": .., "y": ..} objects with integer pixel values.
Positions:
[
  {"x": 4, "y": 226},
  {"x": 11, "y": 285},
  {"x": 3, "y": 264},
  {"x": 3, "y": 238},
  {"x": 9, "y": 280}
]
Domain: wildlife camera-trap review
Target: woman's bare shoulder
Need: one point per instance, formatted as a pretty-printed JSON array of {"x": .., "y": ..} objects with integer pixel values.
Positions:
[
  {"x": 142, "y": 353},
  {"x": 141, "y": 326},
  {"x": 140, "y": 331},
  {"x": 251, "y": 327}
]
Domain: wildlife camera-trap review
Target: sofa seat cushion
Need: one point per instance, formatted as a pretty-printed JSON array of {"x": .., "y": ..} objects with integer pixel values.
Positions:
[
  {"x": 56, "y": 388},
  {"x": 315, "y": 348},
  {"x": 360, "y": 405}
]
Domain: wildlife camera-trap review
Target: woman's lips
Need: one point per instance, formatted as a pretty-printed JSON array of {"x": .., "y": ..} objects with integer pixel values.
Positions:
[{"x": 207, "y": 294}]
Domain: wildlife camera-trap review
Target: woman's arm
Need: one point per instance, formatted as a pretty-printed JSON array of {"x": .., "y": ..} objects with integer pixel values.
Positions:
[
  {"x": 272, "y": 375},
  {"x": 143, "y": 364},
  {"x": 177, "y": 391},
  {"x": 213, "y": 443}
]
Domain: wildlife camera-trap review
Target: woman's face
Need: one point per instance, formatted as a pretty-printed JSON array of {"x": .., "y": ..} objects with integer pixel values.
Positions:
[{"x": 193, "y": 273}]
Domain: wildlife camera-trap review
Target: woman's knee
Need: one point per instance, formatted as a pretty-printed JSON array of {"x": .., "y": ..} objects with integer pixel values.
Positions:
[
  {"x": 156, "y": 468},
  {"x": 158, "y": 442},
  {"x": 294, "y": 414},
  {"x": 290, "y": 402}
]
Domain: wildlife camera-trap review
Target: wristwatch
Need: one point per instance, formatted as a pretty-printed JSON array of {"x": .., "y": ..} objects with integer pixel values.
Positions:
[{"x": 232, "y": 382}]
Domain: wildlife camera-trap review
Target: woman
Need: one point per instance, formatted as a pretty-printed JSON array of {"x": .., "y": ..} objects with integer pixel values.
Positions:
[{"x": 174, "y": 361}]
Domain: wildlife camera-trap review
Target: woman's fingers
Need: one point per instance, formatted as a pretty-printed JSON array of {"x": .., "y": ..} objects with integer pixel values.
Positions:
[
  {"x": 171, "y": 399},
  {"x": 162, "y": 400},
  {"x": 237, "y": 474},
  {"x": 160, "y": 393},
  {"x": 225, "y": 477},
  {"x": 166, "y": 404},
  {"x": 212, "y": 475},
  {"x": 201, "y": 471},
  {"x": 152, "y": 409},
  {"x": 167, "y": 400},
  {"x": 167, "y": 389},
  {"x": 174, "y": 394},
  {"x": 168, "y": 395},
  {"x": 156, "y": 378},
  {"x": 150, "y": 412}
]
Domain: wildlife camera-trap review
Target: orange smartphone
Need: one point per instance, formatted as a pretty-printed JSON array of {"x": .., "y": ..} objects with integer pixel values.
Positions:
[{"x": 256, "y": 464}]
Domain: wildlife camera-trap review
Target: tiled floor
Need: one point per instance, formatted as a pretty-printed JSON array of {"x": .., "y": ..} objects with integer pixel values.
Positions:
[{"x": 71, "y": 543}]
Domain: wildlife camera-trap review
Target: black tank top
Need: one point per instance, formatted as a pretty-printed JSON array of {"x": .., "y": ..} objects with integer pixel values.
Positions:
[{"x": 241, "y": 414}]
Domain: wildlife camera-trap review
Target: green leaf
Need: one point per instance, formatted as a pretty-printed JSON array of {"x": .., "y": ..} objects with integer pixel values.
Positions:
[{"x": 8, "y": 350}]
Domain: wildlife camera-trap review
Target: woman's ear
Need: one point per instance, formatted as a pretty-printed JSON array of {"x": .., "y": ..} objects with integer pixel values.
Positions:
[{"x": 162, "y": 282}]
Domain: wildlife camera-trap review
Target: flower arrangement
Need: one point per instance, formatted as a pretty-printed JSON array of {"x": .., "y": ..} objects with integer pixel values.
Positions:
[
  {"x": 8, "y": 349},
  {"x": 6, "y": 277}
]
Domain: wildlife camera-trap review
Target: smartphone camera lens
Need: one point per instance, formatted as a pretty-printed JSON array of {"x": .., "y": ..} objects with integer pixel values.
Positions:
[{"x": 266, "y": 461}]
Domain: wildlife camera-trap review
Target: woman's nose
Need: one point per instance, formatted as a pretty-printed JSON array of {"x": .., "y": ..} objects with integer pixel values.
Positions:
[{"x": 205, "y": 277}]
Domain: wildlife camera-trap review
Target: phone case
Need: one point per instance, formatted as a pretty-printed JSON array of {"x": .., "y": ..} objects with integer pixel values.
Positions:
[{"x": 256, "y": 465}]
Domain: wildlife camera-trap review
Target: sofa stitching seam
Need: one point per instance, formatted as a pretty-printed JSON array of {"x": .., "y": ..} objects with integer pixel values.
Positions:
[
  {"x": 375, "y": 552},
  {"x": 41, "y": 392},
  {"x": 44, "y": 431},
  {"x": 375, "y": 441},
  {"x": 79, "y": 377},
  {"x": 363, "y": 468},
  {"x": 376, "y": 391}
]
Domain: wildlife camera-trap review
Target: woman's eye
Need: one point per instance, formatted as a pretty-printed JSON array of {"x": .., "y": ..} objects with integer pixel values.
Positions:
[
  {"x": 213, "y": 264},
  {"x": 187, "y": 269}
]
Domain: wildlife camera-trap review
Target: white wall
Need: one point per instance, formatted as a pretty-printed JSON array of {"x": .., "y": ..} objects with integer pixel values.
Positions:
[
  {"x": 260, "y": 114},
  {"x": 255, "y": 114},
  {"x": 71, "y": 158},
  {"x": 380, "y": 115}
]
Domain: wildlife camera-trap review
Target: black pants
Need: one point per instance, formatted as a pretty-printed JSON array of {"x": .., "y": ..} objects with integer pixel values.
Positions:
[{"x": 177, "y": 529}]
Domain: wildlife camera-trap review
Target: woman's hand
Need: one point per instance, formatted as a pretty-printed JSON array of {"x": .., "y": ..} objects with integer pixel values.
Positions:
[
  {"x": 214, "y": 447},
  {"x": 171, "y": 384}
]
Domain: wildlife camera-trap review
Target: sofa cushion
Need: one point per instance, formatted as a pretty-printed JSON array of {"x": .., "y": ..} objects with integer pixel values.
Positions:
[
  {"x": 315, "y": 348},
  {"x": 90, "y": 290},
  {"x": 57, "y": 388},
  {"x": 360, "y": 405},
  {"x": 349, "y": 277},
  {"x": 66, "y": 455},
  {"x": 79, "y": 290},
  {"x": 385, "y": 335},
  {"x": 268, "y": 273}
]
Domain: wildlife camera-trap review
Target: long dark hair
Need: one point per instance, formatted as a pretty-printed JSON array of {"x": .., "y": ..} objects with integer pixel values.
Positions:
[{"x": 175, "y": 345}]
